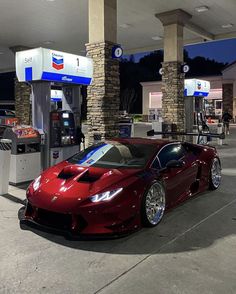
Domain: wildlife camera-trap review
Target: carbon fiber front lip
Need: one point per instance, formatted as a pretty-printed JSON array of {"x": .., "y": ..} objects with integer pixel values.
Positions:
[{"x": 68, "y": 234}]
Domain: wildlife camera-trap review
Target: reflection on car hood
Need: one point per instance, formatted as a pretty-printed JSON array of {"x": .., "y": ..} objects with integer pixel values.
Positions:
[{"x": 72, "y": 180}]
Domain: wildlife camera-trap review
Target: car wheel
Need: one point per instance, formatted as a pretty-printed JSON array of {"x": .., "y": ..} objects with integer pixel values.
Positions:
[
  {"x": 215, "y": 174},
  {"x": 153, "y": 205}
]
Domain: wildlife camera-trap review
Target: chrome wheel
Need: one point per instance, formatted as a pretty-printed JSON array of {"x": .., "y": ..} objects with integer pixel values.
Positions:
[
  {"x": 215, "y": 174},
  {"x": 155, "y": 204}
]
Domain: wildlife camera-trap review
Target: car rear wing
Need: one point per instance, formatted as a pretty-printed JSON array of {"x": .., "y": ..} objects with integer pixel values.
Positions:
[{"x": 199, "y": 136}]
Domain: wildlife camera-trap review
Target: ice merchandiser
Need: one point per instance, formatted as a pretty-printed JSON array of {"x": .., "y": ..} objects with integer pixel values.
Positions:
[{"x": 25, "y": 153}]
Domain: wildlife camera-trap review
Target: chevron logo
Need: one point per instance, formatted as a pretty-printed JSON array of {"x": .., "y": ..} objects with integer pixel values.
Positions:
[{"x": 57, "y": 61}]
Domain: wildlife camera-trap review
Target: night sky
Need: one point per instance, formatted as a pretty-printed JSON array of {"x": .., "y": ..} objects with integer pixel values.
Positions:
[{"x": 221, "y": 51}]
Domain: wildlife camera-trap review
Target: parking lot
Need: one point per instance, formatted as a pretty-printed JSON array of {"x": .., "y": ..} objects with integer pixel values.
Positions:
[{"x": 191, "y": 251}]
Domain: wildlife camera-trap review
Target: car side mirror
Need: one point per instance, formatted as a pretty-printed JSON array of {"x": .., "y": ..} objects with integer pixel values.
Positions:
[{"x": 175, "y": 164}]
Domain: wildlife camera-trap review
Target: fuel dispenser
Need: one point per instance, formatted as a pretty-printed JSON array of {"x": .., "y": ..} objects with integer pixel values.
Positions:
[
  {"x": 195, "y": 91},
  {"x": 63, "y": 137},
  {"x": 47, "y": 70}
]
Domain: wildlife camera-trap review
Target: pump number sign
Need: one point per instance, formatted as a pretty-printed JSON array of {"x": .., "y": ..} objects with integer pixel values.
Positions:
[
  {"x": 117, "y": 51},
  {"x": 50, "y": 65}
]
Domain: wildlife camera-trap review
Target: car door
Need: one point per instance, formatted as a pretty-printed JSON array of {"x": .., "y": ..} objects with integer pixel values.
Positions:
[{"x": 178, "y": 180}]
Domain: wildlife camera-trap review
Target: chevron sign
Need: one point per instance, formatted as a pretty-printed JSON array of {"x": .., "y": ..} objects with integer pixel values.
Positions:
[{"x": 57, "y": 61}]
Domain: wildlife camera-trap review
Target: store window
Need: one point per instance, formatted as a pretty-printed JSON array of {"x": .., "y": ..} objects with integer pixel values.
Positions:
[{"x": 213, "y": 103}]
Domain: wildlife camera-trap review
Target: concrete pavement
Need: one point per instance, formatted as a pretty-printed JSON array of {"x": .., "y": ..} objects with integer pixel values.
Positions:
[{"x": 191, "y": 251}]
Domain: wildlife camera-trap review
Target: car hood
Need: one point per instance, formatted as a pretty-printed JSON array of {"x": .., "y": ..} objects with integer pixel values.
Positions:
[{"x": 69, "y": 182}]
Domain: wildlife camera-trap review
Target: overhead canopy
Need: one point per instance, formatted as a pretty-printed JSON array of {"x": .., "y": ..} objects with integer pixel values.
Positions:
[{"x": 63, "y": 25}]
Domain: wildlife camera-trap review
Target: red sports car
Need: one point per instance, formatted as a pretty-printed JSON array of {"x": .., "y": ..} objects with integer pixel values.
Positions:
[{"x": 118, "y": 186}]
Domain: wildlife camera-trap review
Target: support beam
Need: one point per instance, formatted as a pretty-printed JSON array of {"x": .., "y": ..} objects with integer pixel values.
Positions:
[
  {"x": 102, "y": 21},
  {"x": 103, "y": 98},
  {"x": 172, "y": 78},
  {"x": 199, "y": 31},
  {"x": 173, "y": 43}
]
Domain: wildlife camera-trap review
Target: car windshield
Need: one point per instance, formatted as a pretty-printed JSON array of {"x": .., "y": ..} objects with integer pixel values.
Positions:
[{"x": 114, "y": 154}]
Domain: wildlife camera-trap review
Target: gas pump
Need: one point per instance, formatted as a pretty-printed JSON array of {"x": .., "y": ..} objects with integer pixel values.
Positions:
[
  {"x": 47, "y": 70},
  {"x": 63, "y": 137},
  {"x": 195, "y": 91}
]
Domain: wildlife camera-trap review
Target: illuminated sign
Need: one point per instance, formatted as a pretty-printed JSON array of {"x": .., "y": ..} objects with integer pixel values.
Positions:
[
  {"x": 56, "y": 95},
  {"x": 50, "y": 65},
  {"x": 195, "y": 87},
  {"x": 57, "y": 61}
]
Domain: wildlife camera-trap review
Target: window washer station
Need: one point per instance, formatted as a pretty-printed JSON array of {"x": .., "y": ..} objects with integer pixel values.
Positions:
[{"x": 56, "y": 79}]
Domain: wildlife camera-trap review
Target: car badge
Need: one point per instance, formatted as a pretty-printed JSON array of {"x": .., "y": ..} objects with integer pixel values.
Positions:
[{"x": 54, "y": 199}]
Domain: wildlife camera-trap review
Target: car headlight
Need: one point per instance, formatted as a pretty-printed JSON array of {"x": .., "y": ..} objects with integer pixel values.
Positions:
[
  {"x": 105, "y": 196},
  {"x": 36, "y": 183}
]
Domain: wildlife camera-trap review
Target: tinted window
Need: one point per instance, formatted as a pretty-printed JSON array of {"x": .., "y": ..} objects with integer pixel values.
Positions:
[
  {"x": 171, "y": 152},
  {"x": 156, "y": 164},
  {"x": 114, "y": 154},
  {"x": 2, "y": 112}
]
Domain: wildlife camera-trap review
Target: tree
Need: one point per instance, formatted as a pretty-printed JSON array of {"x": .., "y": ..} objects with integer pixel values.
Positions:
[{"x": 127, "y": 98}]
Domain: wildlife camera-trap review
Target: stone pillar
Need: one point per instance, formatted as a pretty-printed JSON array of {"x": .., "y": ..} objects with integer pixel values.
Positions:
[
  {"x": 173, "y": 94},
  {"x": 22, "y": 102},
  {"x": 228, "y": 97},
  {"x": 23, "y": 107},
  {"x": 103, "y": 98},
  {"x": 172, "y": 78}
]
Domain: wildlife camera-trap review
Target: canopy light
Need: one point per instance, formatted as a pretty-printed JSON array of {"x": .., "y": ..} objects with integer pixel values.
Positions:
[
  {"x": 48, "y": 42},
  {"x": 227, "y": 26},
  {"x": 202, "y": 9},
  {"x": 124, "y": 25},
  {"x": 156, "y": 38}
]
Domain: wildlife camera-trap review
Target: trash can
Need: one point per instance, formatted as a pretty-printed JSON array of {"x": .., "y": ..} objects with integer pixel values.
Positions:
[
  {"x": 5, "y": 157},
  {"x": 126, "y": 128}
]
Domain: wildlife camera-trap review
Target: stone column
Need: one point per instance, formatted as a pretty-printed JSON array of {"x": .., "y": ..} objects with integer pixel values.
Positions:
[
  {"x": 103, "y": 97},
  {"x": 23, "y": 107},
  {"x": 173, "y": 94},
  {"x": 172, "y": 78},
  {"x": 22, "y": 102}
]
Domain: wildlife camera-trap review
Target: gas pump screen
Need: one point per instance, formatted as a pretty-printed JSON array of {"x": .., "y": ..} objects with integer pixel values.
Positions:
[
  {"x": 65, "y": 115},
  {"x": 66, "y": 124}
]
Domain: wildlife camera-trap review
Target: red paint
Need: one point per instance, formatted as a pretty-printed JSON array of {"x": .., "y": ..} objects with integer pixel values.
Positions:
[{"x": 70, "y": 197}]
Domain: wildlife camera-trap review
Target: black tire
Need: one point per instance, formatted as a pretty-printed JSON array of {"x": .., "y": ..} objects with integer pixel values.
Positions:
[
  {"x": 215, "y": 174},
  {"x": 146, "y": 218}
]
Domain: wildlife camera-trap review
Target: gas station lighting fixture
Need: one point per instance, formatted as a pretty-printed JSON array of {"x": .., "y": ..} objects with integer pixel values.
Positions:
[
  {"x": 202, "y": 9},
  {"x": 156, "y": 38},
  {"x": 48, "y": 42},
  {"x": 124, "y": 25},
  {"x": 227, "y": 26}
]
